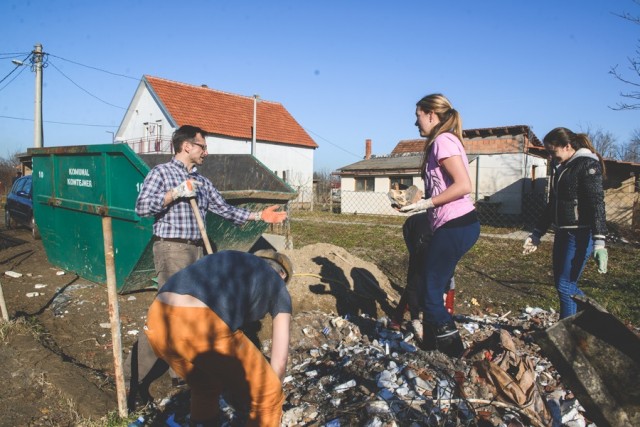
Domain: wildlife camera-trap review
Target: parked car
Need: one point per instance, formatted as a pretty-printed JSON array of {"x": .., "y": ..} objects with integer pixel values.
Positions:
[{"x": 19, "y": 207}]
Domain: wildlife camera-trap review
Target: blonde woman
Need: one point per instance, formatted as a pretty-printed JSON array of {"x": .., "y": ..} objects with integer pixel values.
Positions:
[{"x": 451, "y": 215}]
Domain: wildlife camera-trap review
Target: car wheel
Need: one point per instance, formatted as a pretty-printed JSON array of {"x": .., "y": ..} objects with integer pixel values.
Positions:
[
  {"x": 7, "y": 219},
  {"x": 34, "y": 229}
]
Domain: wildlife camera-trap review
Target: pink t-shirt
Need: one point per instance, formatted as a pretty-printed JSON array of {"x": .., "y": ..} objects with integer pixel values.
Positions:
[{"x": 436, "y": 180}]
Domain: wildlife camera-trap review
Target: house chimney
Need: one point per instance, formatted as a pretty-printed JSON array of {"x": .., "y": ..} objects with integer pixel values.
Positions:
[{"x": 367, "y": 149}]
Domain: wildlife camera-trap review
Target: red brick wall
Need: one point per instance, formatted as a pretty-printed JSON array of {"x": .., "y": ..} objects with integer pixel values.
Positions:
[{"x": 492, "y": 145}]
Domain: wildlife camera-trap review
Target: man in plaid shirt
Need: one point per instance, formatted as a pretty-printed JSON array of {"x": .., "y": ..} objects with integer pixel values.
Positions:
[{"x": 178, "y": 243}]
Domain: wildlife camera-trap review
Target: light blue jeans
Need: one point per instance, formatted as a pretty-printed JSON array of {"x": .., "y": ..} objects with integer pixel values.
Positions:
[{"x": 571, "y": 250}]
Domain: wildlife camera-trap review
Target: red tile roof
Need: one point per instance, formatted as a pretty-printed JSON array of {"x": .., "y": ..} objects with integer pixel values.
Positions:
[
  {"x": 409, "y": 146},
  {"x": 417, "y": 145},
  {"x": 222, "y": 113}
]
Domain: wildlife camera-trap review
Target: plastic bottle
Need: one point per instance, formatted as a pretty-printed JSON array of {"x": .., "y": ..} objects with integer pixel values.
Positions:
[{"x": 137, "y": 423}]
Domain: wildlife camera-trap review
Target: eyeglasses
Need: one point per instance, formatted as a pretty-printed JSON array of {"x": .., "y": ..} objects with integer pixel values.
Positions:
[{"x": 202, "y": 146}]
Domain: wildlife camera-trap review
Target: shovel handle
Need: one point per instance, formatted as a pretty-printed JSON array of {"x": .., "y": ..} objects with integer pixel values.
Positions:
[{"x": 203, "y": 231}]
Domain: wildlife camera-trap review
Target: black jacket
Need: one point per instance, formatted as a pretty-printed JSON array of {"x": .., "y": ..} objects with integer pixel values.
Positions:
[{"x": 576, "y": 199}]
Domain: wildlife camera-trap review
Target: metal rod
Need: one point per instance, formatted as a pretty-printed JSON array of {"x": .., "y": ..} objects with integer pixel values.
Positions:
[{"x": 3, "y": 305}]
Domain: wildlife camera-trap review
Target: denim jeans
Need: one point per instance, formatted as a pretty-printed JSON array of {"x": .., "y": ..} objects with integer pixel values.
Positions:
[
  {"x": 447, "y": 247},
  {"x": 571, "y": 250},
  {"x": 417, "y": 235}
]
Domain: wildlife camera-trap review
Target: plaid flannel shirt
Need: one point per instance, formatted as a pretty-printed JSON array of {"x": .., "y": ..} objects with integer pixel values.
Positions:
[{"x": 177, "y": 220}]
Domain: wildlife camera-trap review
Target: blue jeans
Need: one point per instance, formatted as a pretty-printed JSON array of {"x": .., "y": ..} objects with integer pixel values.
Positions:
[
  {"x": 571, "y": 250},
  {"x": 447, "y": 247}
]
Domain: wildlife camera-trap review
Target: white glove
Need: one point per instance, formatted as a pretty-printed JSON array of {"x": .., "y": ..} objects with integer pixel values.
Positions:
[
  {"x": 420, "y": 205},
  {"x": 185, "y": 189},
  {"x": 530, "y": 244},
  {"x": 602, "y": 258}
]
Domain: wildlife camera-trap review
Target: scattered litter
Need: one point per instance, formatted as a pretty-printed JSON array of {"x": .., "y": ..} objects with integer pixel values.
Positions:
[
  {"x": 131, "y": 298},
  {"x": 377, "y": 376},
  {"x": 345, "y": 386},
  {"x": 60, "y": 273},
  {"x": 60, "y": 303},
  {"x": 105, "y": 325},
  {"x": 472, "y": 327},
  {"x": 534, "y": 311},
  {"x": 39, "y": 286},
  {"x": 32, "y": 294},
  {"x": 134, "y": 332},
  {"x": 171, "y": 421},
  {"x": 13, "y": 274},
  {"x": 474, "y": 302}
]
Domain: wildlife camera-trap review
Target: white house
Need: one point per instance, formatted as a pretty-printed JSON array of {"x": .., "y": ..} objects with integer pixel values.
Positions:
[
  {"x": 160, "y": 106},
  {"x": 505, "y": 172}
]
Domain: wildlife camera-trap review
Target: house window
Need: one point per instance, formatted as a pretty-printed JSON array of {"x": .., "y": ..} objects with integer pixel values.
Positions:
[
  {"x": 402, "y": 182},
  {"x": 364, "y": 184}
]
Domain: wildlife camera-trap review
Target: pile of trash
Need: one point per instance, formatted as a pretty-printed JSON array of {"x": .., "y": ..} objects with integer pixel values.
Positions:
[{"x": 355, "y": 370}]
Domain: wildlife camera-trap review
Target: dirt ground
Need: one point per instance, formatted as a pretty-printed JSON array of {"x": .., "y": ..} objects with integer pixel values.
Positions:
[{"x": 66, "y": 377}]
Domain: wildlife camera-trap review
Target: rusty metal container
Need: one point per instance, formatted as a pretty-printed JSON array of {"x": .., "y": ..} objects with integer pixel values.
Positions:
[
  {"x": 599, "y": 360},
  {"x": 75, "y": 186}
]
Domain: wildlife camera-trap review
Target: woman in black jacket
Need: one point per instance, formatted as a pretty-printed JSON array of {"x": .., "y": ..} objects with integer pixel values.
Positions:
[{"x": 576, "y": 208}]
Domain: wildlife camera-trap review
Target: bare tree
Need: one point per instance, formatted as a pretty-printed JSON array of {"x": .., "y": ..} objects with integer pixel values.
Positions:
[
  {"x": 304, "y": 187},
  {"x": 630, "y": 152},
  {"x": 632, "y": 77},
  {"x": 8, "y": 169},
  {"x": 604, "y": 142}
]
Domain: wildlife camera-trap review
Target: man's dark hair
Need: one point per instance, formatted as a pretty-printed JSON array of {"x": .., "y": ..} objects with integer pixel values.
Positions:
[{"x": 185, "y": 133}]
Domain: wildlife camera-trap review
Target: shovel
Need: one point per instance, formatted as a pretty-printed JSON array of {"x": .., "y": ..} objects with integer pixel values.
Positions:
[{"x": 203, "y": 231}]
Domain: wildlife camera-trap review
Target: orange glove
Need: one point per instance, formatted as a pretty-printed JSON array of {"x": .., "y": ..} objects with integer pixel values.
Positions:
[{"x": 271, "y": 216}]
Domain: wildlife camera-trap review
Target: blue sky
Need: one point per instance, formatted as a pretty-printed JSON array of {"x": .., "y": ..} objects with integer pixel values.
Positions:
[{"x": 346, "y": 70}]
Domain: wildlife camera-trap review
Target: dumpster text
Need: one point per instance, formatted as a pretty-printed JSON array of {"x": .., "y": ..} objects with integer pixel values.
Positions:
[{"x": 79, "y": 182}]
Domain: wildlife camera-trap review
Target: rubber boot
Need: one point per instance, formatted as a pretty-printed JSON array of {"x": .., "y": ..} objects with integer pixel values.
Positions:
[
  {"x": 429, "y": 337},
  {"x": 448, "y": 340}
]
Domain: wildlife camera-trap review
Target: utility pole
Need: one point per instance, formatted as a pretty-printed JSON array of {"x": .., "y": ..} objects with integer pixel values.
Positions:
[{"x": 38, "y": 134}]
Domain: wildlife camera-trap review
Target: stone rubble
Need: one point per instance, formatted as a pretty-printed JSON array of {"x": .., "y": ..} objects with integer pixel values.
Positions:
[
  {"x": 362, "y": 373},
  {"x": 353, "y": 370}
]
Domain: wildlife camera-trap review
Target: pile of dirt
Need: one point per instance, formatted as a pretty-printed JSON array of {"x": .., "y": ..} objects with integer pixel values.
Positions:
[{"x": 330, "y": 279}]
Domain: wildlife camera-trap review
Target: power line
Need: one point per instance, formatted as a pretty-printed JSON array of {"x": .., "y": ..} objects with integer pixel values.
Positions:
[
  {"x": 14, "y": 77},
  {"x": 335, "y": 145},
  {"x": 8, "y": 55},
  {"x": 83, "y": 89},
  {"x": 60, "y": 123},
  {"x": 96, "y": 68},
  {"x": 15, "y": 68}
]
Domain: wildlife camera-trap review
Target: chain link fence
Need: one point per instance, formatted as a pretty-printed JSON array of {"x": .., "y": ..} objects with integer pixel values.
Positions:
[{"x": 510, "y": 209}]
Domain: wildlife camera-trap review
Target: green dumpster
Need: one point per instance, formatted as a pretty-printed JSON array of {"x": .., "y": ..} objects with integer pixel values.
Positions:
[{"x": 74, "y": 187}]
